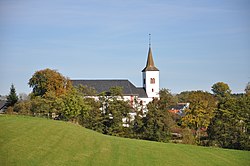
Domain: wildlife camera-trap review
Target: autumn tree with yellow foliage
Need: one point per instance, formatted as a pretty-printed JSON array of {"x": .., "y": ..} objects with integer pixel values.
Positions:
[{"x": 200, "y": 112}]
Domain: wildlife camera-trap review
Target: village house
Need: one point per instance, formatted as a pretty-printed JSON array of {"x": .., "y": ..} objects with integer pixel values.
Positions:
[{"x": 179, "y": 109}]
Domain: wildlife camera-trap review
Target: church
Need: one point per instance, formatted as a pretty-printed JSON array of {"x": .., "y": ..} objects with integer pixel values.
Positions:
[{"x": 145, "y": 94}]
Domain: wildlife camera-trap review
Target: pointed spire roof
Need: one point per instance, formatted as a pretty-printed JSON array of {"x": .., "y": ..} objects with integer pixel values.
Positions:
[{"x": 150, "y": 66}]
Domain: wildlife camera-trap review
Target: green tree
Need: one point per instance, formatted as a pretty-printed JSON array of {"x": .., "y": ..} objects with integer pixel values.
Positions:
[
  {"x": 114, "y": 109},
  {"x": 167, "y": 100},
  {"x": 230, "y": 126},
  {"x": 116, "y": 91},
  {"x": 157, "y": 123},
  {"x": 221, "y": 89},
  {"x": 137, "y": 125},
  {"x": 92, "y": 118},
  {"x": 86, "y": 91},
  {"x": 183, "y": 97},
  {"x": 117, "y": 109},
  {"x": 74, "y": 105},
  {"x": 12, "y": 98},
  {"x": 41, "y": 106},
  {"x": 47, "y": 80}
]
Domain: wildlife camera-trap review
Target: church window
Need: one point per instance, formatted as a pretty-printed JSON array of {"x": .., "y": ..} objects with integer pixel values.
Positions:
[
  {"x": 152, "y": 90},
  {"x": 152, "y": 80}
]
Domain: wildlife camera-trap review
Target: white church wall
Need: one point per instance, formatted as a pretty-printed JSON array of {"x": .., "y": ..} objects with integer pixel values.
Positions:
[{"x": 152, "y": 89}]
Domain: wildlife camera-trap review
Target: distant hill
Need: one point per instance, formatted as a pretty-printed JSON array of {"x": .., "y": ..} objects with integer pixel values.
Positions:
[{"x": 37, "y": 141}]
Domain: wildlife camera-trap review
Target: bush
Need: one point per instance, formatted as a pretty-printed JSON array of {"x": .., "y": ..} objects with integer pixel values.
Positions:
[
  {"x": 187, "y": 136},
  {"x": 23, "y": 108},
  {"x": 9, "y": 110}
]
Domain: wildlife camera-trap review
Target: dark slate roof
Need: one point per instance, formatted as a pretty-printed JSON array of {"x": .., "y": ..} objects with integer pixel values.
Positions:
[
  {"x": 142, "y": 93},
  {"x": 180, "y": 106},
  {"x": 104, "y": 86},
  {"x": 2, "y": 104}
]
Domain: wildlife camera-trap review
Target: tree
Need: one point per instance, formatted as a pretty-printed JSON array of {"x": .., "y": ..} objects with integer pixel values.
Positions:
[
  {"x": 230, "y": 126},
  {"x": 116, "y": 91},
  {"x": 23, "y": 107},
  {"x": 117, "y": 110},
  {"x": 12, "y": 98},
  {"x": 157, "y": 123},
  {"x": 92, "y": 118},
  {"x": 200, "y": 112},
  {"x": 221, "y": 89},
  {"x": 41, "y": 106},
  {"x": 183, "y": 96},
  {"x": 167, "y": 100},
  {"x": 85, "y": 90},
  {"x": 47, "y": 80},
  {"x": 74, "y": 105},
  {"x": 137, "y": 125},
  {"x": 247, "y": 89},
  {"x": 114, "y": 109},
  {"x": 243, "y": 115}
]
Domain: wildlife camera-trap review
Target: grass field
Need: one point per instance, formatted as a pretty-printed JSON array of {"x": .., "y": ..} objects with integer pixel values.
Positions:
[{"x": 37, "y": 141}]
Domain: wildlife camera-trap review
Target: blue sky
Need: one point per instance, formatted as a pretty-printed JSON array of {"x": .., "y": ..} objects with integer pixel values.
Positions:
[{"x": 195, "y": 43}]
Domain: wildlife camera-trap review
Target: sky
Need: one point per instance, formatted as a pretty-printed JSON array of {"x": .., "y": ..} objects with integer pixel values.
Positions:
[{"x": 195, "y": 43}]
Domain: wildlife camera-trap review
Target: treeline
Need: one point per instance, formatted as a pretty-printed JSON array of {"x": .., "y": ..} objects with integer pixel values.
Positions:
[{"x": 220, "y": 119}]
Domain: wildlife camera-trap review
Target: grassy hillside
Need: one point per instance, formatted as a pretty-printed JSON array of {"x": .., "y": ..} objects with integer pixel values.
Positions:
[{"x": 36, "y": 141}]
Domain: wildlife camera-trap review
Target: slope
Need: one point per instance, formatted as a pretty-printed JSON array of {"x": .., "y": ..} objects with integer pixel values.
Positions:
[{"x": 37, "y": 141}]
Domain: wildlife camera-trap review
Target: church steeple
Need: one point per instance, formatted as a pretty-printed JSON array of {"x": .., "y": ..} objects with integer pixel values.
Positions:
[
  {"x": 150, "y": 76},
  {"x": 150, "y": 66}
]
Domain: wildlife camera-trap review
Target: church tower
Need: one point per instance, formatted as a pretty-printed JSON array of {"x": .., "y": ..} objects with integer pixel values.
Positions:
[{"x": 150, "y": 76}]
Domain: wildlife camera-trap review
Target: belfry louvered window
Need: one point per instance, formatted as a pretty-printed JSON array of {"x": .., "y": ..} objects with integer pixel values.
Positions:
[{"x": 152, "y": 80}]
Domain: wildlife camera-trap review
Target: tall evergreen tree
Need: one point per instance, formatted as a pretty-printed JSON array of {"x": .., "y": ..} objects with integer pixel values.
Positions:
[
  {"x": 12, "y": 98},
  {"x": 157, "y": 123}
]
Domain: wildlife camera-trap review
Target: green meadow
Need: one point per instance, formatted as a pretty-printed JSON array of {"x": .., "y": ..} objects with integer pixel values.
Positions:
[{"x": 37, "y": 141}]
